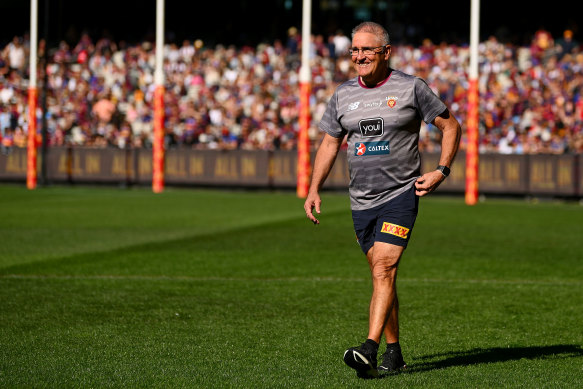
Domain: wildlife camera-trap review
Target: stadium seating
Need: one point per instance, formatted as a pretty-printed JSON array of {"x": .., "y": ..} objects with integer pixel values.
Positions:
[{"x": 101, "y": 94}]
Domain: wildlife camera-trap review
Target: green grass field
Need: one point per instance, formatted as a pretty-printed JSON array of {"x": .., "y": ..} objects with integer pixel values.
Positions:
[{"x": 109, "y": 287}]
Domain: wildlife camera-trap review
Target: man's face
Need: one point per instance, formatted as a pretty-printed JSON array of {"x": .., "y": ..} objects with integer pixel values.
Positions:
[{"x": 371, "y": 67}]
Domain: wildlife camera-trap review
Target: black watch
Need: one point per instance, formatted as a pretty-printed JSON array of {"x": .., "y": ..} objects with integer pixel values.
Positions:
[{"x": 443, "y": 169}]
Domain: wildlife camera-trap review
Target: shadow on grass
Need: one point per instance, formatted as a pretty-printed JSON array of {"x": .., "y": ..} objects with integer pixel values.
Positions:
[{"x": 491, "y": 355}]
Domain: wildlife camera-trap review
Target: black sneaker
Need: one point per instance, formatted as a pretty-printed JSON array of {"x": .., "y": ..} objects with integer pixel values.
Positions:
[
  {"x": 363, "y": 359},
  {"x": 392, "y": 361}
]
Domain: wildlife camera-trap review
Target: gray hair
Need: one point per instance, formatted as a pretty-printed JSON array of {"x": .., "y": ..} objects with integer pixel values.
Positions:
[{"x": 373, "y": 28}]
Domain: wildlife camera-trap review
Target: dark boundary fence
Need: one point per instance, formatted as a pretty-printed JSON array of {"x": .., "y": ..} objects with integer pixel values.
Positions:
[{"x": 536, "y": 175}]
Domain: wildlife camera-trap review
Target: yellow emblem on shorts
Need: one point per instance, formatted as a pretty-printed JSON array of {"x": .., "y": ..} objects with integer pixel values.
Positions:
[{"x": 393, "y": 229}]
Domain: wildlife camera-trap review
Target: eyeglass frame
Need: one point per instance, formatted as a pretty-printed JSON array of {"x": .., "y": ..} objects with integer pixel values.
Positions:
[{"x": 353, "y": 51}]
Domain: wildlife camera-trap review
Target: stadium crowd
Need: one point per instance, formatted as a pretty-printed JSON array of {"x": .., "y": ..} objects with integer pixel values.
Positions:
[{"x": 100, "y": 93}]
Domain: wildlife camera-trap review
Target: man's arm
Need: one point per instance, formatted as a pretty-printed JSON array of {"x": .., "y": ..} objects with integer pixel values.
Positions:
[
  {"x": 451, "y": 134},
  {"x": 325, "y": 158}
]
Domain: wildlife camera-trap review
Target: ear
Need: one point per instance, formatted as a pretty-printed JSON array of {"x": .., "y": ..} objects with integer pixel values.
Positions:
[{"x": 387, "y": 52}]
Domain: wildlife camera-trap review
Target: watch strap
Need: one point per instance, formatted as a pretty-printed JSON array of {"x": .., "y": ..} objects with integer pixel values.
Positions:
[{"x": 444, "y": 170}]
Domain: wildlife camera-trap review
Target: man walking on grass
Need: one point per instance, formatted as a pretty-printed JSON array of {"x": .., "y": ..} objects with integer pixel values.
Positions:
[{"x": 380, "y": 113}]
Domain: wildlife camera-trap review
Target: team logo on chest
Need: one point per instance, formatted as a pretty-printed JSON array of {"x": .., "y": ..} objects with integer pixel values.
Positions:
[
  {"x": 371, "y": 127},
  {"x": 392, "y": 101}
]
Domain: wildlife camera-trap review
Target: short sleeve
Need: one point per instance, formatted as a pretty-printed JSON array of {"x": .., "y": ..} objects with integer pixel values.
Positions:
[
  {"x": 330, "y": 122},
  {"x": 428, "y": 104}
]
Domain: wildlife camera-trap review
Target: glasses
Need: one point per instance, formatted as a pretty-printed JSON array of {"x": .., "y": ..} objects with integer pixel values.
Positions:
[{"x": 365, "y": 50}]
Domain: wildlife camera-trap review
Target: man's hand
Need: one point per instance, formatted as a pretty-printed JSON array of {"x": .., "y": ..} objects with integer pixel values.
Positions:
[
  {"x": 428, "y": 182},
  {"x": 312, "y": 201},
  {"x": 325, "y": 158}
]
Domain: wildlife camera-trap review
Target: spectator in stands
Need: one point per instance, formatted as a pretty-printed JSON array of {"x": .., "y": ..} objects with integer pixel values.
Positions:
[
  {"x": 16, "y": 54},
  {"x": 341, "y": 43},
  {"x": 542, "y": 45},
  {"x": 227, "y": 97},
  {"x": 566, "y": 45}
]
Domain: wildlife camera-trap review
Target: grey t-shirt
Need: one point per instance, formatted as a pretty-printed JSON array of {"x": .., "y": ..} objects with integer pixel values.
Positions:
[{"x": 382, "y": 124}]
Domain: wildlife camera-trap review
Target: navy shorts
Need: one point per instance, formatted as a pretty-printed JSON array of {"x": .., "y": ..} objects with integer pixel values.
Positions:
[{"x": 391, "y": 222}]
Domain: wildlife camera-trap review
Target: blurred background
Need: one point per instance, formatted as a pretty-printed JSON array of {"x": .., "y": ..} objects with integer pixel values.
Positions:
[
  {"x": 231, "y": 83},
  {"x": 252, "y": 21}
]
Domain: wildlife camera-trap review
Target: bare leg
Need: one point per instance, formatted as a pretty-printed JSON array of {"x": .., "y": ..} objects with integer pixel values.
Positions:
[
  {"x": 392, "y": 327},
  {"x": 383, "y": 260}
]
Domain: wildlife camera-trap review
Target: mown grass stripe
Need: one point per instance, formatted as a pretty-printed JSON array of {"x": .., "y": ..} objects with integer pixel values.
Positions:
[
  {"x": 283, "y": 279},
  {"x": 237, "y": 290}
]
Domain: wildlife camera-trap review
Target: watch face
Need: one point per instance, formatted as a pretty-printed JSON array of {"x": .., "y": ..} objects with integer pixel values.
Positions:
[{"x": 444, "y": 170}]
